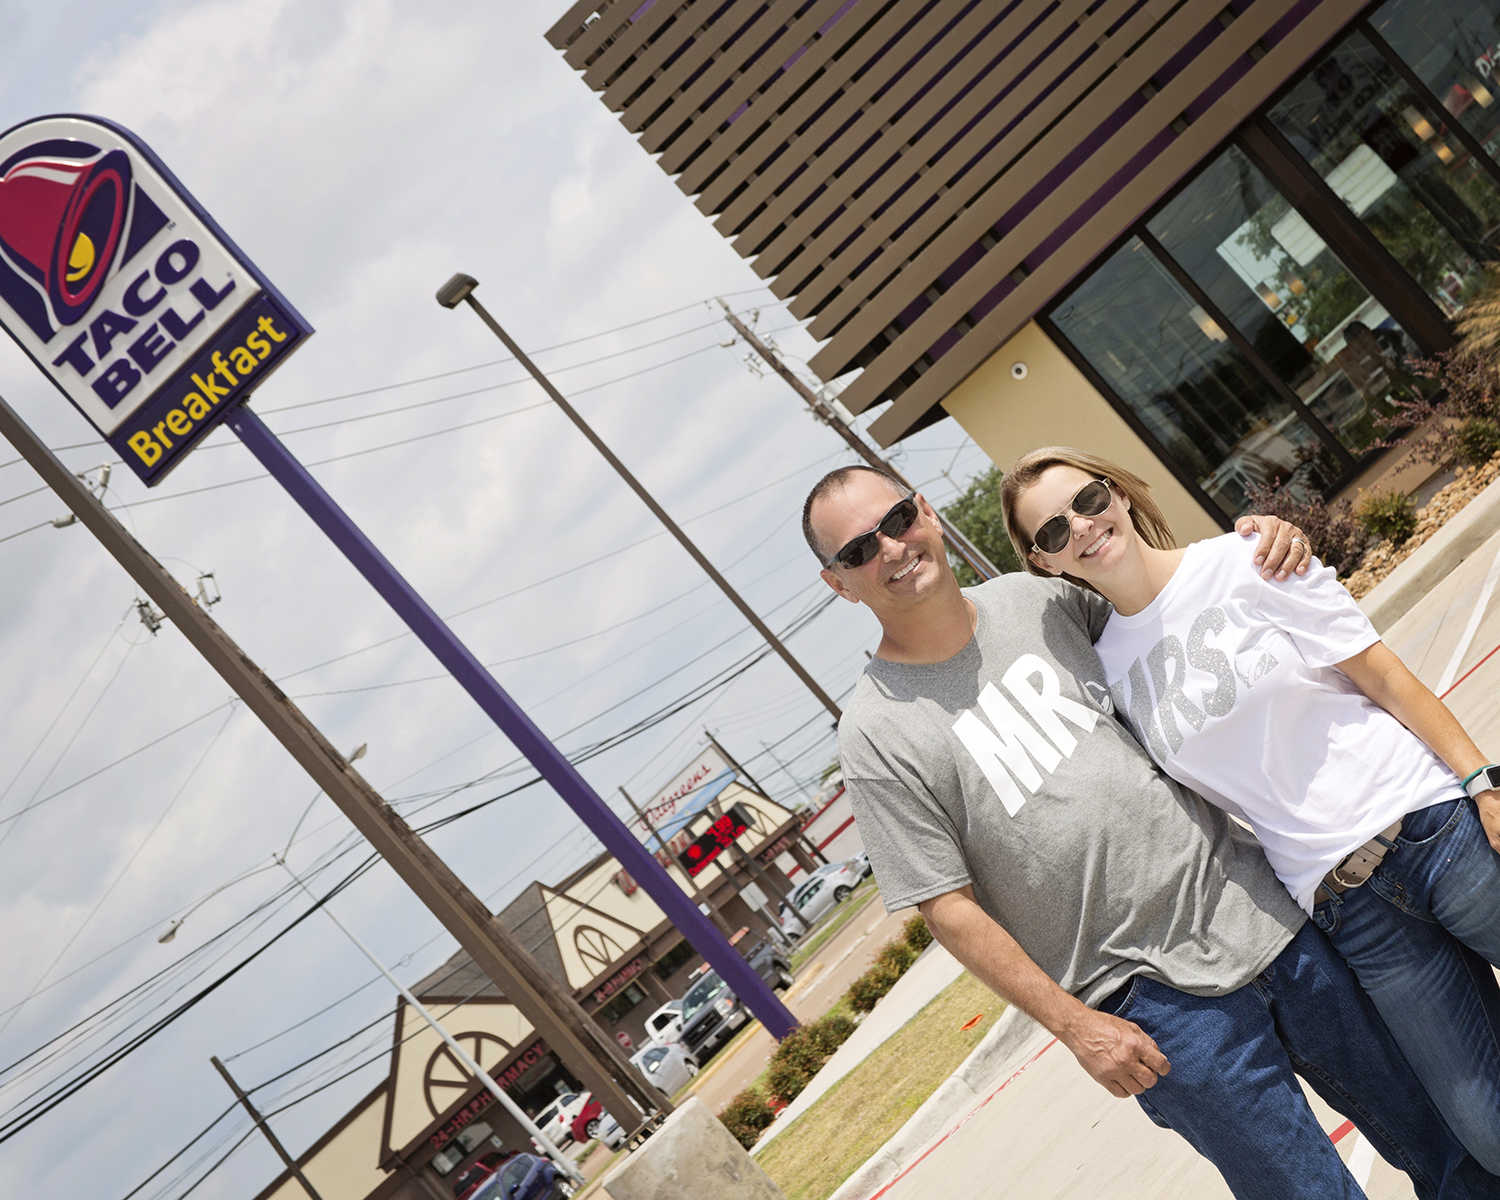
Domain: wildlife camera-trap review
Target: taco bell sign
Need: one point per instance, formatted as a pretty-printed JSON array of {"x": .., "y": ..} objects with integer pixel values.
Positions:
[{"x": 126, "y": 293}]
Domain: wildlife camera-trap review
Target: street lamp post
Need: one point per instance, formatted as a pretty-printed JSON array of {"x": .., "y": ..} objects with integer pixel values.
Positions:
[
  {"x": 575, "y": 790},
  {"x": 565, "y": 1163}
]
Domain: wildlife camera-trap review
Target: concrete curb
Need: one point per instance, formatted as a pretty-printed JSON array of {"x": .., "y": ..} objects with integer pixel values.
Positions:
[
  {"x": 1470, "y": 528},
  {"x": 1012, "y": 1038}
]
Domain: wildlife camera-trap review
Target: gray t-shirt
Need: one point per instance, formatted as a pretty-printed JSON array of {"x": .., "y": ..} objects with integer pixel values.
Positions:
[{"x": 1005, "y": 768}]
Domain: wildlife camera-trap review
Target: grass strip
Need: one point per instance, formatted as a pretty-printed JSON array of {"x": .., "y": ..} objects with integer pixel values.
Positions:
[{"x": 863, "y": 1110}]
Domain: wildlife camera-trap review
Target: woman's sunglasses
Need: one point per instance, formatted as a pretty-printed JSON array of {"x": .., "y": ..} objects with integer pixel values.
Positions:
[
  {"x": 859, "y": 550},
  {"x": 1088, "y": 501}
]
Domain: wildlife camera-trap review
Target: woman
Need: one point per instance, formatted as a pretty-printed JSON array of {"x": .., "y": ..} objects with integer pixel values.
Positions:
[{"x": 1278, "y": 702}]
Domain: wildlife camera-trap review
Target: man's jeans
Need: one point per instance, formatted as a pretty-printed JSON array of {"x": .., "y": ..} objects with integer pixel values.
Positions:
[
  {"x": 1418, "y": 934},
  {"x": 1232, "y": 1094}
]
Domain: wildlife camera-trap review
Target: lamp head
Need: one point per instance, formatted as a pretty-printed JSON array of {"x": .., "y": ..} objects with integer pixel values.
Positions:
[
  {"x": 170, "y": 932},
  {"x": 456, "y": 289}
]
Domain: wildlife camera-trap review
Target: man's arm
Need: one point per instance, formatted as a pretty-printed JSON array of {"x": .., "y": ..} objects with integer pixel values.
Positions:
[
  {"x": 1385, "y": 679},
  {"x": 1118, "y": 1054},
  {"x": 1277, "y": 553}
]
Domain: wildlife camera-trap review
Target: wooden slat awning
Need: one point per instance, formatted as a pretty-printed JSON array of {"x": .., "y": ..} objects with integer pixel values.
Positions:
[{"x": 920, "y": 178}]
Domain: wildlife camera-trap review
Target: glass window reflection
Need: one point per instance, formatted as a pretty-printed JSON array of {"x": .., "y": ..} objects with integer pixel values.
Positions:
[
  {"x": 1396, "y": 165},
  {"x": 1173, "y": 365},
  {"x": 1454, "y": 49},
  {"x": 1276, "y": 281}
]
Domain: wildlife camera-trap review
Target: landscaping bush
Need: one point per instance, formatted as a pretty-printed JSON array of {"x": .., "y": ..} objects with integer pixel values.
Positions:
[
  {"x": 1336, "y": 537},
  {"x": 866, "y": 991},
  {"x": 1388, "y": 515},
  {"x": 1477, "y": 440},
  {"x": 829, "y": 1033},
  {"x": 898, "y": 955},
  {"x": 796, "y": 1061},
  {"x": 918, "y": 936},
  {"x": 746, "y": 1116},
  {"x": 802, "y": 1054}
]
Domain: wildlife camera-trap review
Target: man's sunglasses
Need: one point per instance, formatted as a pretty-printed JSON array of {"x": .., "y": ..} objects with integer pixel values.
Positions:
[
  {"x": 859, "y": 550},
  {"x": 1088, "y": 501}
]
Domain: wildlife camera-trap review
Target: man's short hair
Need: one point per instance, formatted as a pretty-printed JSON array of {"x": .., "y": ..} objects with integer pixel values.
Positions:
[{"x": 834, "y": 480}]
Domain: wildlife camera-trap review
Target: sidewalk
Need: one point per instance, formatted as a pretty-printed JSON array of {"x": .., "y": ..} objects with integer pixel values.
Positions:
[{"x": 1019, "y": 1116}]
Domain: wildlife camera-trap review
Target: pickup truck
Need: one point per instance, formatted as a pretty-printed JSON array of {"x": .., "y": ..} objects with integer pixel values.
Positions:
[{"x": 711, "y": 1012}]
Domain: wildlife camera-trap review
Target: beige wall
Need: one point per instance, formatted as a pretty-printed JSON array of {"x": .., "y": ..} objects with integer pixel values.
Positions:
[
  {"x": 345, "y": 1168},
  {"x": 1056, "y": 405},
  {"x": 410, "y": 1113}
]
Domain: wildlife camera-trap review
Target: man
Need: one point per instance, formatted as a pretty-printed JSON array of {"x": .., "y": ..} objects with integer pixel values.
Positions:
[{"x": 995, "y": 790}]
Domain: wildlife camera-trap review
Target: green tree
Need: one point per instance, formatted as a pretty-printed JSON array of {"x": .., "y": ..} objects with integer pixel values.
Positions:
[{"x": 978, "y": 515}]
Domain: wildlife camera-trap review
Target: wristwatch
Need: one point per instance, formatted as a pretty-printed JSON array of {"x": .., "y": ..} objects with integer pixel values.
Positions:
[{"x": 1482, "y": 780}]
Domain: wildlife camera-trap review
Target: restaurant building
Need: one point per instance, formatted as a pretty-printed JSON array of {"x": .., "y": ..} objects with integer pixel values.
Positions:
[
  {"x": 1203, "y": 238},
  {"x": 597, "y": 931}
]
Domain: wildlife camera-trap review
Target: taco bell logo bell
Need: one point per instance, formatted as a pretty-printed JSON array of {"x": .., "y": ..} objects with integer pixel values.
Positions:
[{"x": 126, "y": 294}]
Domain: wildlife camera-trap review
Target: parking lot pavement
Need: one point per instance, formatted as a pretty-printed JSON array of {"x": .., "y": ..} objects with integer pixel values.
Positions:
[
  {"x": 1049, "y": 1130},
  {"x": 820, "y": 982}
]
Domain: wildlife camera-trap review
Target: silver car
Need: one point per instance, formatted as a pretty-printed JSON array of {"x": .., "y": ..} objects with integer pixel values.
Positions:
[
  {"x": 827, "y": 886},
  {"x": 666, "y": 1067}
]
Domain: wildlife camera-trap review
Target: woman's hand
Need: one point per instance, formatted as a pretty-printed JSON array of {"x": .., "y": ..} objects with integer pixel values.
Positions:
[{"x": 1283, "y": 549}]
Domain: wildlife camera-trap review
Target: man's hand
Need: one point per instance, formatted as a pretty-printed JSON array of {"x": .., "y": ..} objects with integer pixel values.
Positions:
[
  {"x": 1282, "y": 549},
  {"x": 1118, "y": 1054},
  {"x": 1488, "y": 804}
]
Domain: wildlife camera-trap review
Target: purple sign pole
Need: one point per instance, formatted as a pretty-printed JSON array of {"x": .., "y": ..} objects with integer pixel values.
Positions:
[{"x": 512, "y": 721}]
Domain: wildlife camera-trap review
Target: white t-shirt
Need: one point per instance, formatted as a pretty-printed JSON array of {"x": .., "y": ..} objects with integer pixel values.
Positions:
[{"x": 1228, "y": 680}]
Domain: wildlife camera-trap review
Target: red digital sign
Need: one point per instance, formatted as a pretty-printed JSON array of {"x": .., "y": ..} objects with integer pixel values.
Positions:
[{"x": 712, "y": 842}]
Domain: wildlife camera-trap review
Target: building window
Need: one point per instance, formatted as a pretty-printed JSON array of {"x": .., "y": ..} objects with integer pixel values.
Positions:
[
  {"x": 1259, "y": 323},
  {"x": 615, "y": 1010},
  {"x": 1390, "y": 156},
  {"x": 1453, "y": 49},
  {"x": 668, "y": 964}
]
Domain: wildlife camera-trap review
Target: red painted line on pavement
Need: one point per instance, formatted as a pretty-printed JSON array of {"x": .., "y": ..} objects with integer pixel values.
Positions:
[
  {"x": 1335, "y": 1137},
  {"x": 916, "y": 1162},
  {"x": 1469, "y": 672}
]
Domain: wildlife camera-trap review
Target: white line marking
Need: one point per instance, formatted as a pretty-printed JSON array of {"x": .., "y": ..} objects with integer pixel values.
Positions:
[
  {"x": 1361, "y": 1161},
  {"x": 1450, "y": 672}
]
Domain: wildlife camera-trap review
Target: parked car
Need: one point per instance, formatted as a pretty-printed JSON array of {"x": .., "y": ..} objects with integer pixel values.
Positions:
[
  {"x": 524, "y": 1177},
  {"x": 861, "y": 863},
  {"x": 589, "y": 1120},
  {"x": 665, "y": 1024},
  {"x": 769, "y": 963},
  {"x": 608, "y": 1131},
  {"x": 710, "y": 1013},
  {"x": 467, "y": 1181},
  {"x": 827, "y": 886},
  {"x": 558, "y": 1118},
  {"x": 665, "y": 1066}
]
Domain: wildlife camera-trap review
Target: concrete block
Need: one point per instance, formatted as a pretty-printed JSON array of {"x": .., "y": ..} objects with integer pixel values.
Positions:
[{"x": 691, "y": 1156}]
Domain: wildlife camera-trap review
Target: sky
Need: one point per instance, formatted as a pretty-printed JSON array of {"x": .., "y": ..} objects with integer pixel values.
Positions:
[{"x": 360, "y": 154}]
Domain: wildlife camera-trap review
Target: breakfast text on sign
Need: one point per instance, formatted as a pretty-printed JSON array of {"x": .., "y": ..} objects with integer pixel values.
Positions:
[
  {"x": 222, "y": 373},
  {"x": 211, "y": 391}
]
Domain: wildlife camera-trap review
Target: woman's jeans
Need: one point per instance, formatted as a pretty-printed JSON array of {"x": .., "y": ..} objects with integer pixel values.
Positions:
[
  {"x": 1421, "y": 935},
  {"x": 1232, "y": 1091}
]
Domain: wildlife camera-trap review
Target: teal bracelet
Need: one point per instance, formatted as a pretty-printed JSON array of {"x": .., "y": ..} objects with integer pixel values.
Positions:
[{"x": 1473, "y": 775}]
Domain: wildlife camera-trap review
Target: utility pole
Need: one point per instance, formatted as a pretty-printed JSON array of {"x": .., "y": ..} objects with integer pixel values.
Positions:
[
  {"x": 704, "y": 902},
  {"x": 557, "y": 1017},
  {"x": 260, "y": 1121},
  {"x": 961, "y": 545}
]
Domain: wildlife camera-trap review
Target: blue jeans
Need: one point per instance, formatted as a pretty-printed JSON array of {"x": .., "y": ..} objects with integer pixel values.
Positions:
[
  {"x": 1232, "y": 1094},
  {"x": 1421, "y": 935}
]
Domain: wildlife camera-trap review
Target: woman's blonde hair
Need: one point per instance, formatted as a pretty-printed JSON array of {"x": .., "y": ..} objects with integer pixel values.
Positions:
[{"x": 1147, "y": 518}]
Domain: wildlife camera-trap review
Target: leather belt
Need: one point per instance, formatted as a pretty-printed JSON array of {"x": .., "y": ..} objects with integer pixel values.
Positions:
[{"x": 1360, "y": 864}]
